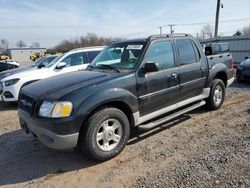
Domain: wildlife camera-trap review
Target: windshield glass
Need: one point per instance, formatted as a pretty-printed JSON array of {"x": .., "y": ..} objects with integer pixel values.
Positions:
[
  {"x": 123, "y": 55},
  {"x": 54, "y": 61}
]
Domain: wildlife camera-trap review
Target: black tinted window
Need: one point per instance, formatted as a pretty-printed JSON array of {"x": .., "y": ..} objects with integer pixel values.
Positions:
[
  {"x": 162, "y": 54},
  {"x": 186, "y": 51},
  {"x": 92, "y": 55},
  {"x": 197, "y": 52}
]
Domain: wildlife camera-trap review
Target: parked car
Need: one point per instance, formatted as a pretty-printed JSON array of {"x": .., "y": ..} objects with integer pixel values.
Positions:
[
  {"x": 12, "y": 62},
  {"x": 243, "y": 70},
  {"x": 35, "y": 65},
  {"x": 136, "y": 83},
  {"x": 4, "y": 65},
  {"x": 74, "y": 60}
]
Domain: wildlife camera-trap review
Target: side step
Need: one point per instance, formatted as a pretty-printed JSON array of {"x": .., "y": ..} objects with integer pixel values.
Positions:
[{"x": 153, "y": 124}]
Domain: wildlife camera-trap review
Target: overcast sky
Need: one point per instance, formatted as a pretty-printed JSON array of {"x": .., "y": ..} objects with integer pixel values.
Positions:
[{"x": 50, "y": 21}]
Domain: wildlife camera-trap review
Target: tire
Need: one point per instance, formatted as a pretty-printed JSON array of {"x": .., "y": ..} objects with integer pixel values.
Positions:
[
  {"x": 239, "y": 77},
  {"x": 216, "y": 96},
  {"x": 105, "y": 134}
]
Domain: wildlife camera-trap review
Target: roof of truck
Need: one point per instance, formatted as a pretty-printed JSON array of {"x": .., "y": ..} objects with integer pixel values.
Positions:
[{"x": 154, "y": 37}]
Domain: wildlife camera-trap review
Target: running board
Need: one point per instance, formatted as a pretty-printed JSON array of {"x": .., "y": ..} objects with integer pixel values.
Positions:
[{"x": 170, "y": 117}]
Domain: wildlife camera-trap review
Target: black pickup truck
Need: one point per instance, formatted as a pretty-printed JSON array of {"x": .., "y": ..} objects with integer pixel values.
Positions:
[{"x": 131, "y": 84}]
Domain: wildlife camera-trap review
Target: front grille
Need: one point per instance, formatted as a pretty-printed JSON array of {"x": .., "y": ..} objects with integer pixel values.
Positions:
[
  {"x": 1, "y": 88},
  {"x": 26, "y": 103}
]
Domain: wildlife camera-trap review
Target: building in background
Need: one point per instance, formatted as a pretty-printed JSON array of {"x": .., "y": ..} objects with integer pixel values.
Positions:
[
  {"x": 239, "y": 46},
  {"x": 23, "y": 55}
]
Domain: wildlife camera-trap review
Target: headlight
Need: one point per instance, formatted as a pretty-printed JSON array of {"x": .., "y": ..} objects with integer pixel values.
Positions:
[
  {"x": 11, "y": 82},
  {"x": 56, "y": 109}
]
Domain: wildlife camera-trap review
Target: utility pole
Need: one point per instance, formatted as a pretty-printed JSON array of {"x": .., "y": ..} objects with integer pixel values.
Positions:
[
  {"x": 160, "y": 30},
  {"x": 171, "y": 28},
  {"x": 217, "y": 18}
]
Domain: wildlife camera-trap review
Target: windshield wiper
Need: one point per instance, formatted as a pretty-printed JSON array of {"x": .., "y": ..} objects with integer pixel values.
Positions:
[{"x": 105, "y": 66}]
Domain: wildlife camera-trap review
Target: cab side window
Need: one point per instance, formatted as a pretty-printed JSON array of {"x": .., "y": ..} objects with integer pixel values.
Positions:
[
  {"x": 186, "y": 51},
  {"x": 74, "y": 59},
  {"x": 161, "y": 52}
]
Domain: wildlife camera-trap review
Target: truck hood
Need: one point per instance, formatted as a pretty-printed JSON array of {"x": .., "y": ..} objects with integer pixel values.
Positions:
[
  {"x": 57, "y": 86},
  {"x": 34, "y": 71}
]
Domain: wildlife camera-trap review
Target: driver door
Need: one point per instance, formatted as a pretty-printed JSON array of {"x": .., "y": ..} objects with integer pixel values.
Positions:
[{"x": 160, "y": 89}]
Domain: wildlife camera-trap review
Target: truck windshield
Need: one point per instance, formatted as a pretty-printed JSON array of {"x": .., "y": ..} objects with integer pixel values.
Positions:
[{"x": 119, "y": 56}]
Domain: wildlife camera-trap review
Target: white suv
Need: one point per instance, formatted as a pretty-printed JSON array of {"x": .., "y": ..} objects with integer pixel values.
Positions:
[{"x": 73, "y": 60}]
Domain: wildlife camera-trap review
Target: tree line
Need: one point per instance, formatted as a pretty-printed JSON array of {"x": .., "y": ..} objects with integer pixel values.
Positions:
[
  {"x": 207, "y": 32},
  {"x": 90, "y": 39}
]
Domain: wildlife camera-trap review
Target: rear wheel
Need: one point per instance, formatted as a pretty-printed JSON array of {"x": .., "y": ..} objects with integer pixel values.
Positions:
[
  {"x": 105, "y": 134},
  {"x": 217, "y": 95}
]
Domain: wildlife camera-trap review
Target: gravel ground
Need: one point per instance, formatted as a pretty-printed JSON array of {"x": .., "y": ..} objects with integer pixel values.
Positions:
[{"x": 199, "y": 149}]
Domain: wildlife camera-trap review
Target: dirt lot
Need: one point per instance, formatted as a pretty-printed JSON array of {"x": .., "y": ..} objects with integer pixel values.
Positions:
[{"x": 199, "y": 149}]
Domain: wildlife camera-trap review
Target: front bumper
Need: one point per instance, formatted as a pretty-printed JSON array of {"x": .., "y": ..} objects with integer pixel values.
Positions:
[
  {"x": 9, "y": 94},
  {"x": 243, "y": 74},
  {"x": 45, "y": 136}
]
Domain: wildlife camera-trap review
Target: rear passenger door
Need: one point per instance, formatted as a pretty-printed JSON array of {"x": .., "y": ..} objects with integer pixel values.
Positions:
[
  {"x": 159, "y": 89},
  {"x": 192, "y": 71}
]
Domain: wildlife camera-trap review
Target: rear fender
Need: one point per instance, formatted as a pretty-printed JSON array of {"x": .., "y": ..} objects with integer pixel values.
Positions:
[{"x": 217, "y": 69}]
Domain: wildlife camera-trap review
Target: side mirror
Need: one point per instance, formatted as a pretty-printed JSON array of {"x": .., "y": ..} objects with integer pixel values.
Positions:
[
  {"x": 246, "y": 57},
  {"x": 151, "y": 67},
  {"x": 60, "y": 65},
  {"x": 41, "y": 65}
]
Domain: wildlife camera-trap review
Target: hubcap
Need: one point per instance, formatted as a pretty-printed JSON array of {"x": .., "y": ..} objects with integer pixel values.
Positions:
[
  {"x": 218, "y": 94},
  {"x": 109, "y": 134}
]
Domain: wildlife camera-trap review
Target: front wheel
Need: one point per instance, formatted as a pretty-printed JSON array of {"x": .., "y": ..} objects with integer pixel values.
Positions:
[
  {"x": 239, "y": 76},
  {"x": 217, "y": 95},
  {"x": 105, "y": 134}
]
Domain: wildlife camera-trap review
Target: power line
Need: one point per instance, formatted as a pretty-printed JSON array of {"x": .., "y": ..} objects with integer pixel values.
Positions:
[
  {"x": 202, "y": 23},
  {"x": 186, "y": 24}
]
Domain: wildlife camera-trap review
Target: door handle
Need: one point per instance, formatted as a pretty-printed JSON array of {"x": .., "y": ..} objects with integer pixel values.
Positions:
[
  {"x": 202, "y": 68},
  {"x": 174, "y": 75}
]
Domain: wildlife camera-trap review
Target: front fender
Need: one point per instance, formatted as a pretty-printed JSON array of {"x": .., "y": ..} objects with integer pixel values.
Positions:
[{"x": 104, "y": 97}]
